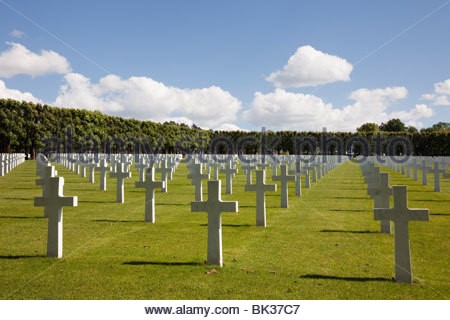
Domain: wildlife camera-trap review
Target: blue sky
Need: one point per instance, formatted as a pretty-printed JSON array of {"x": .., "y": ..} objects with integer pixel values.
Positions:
[{"x": 297, "y": 65}]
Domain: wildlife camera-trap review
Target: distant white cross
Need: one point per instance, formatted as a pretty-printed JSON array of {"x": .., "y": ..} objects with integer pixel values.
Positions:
[
  {"x": 261, "y": 188},
  {"x": 141, "y": 167},
  {"x": 400, "y": 214},
  {"x": 197, "y": 176},
  {"x": 247, "y": 167},
  {"x": 121, "y": 174},
  {"x": 103, "y": 168},
  {"x": 47, "y": 173},
  {"x": 150, "y": 185},
  {"x": 229, "y": 172},
  {"x": 284, "y": 179},
  {"x": 436, "y": 171},
  {"x": 214, "y": 206},
  {"x": 381, "y": 194},
  {"x": 92, "y": 165},
  {"x": 165, "y": 171}
]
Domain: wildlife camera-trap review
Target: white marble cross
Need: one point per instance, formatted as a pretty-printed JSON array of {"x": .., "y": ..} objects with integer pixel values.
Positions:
[
  {"x": 400, "y": 214},
  {"x": 297, "y": 172},
  {"x": 261, "y": 188},
  {"x": 197, "y": 176},
  {"x": 91, "y": 166},
  {"x": 424, "y": 172},
  {"x": 103, "y": 168},
  {"x": 284, "y": 179},
  {"x": 120, "y": 175},
  {"x": 415, "y": 167},
  {"x": 214, "y": 206},
  {"x": 165, "y": 173},
  {"x": 47, "y": 173},
  {"x": 229, "y": 172},
  {"x": 216, "y": 166},
  {"x": 53, "y": 204},
  {"x": 436, "y": 171},
  {"x": 83, "y": 166},
  {"x": 150, "y": 185},
  {"x": 247, "y": 167},
  {"x": 381, "y": 194},
  {"x": 141, "y": 167}
]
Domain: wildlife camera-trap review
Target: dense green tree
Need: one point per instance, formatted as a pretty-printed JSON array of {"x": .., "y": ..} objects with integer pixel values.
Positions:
[
  {"x": 368, "y": 127},
  {"x": 393, "y": 125}
]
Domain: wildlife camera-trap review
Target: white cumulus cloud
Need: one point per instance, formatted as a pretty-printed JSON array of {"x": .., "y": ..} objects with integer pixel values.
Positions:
[
  {"x": 311, "y": 67},
  {"x": 17, "y": 59},
  {"x": 7, "y": 93},
  {"x": 441, "y": 94},
  {"x": 282, "y": 110},
  {"x": 145, "y": 98},
  {"x": 412, "y": 117}
]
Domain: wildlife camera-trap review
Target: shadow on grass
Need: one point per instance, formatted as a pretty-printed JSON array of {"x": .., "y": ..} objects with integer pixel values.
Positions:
[
  {"x": 349, "y": 231},
  {"x": 348, "y": 210},
  {"x": 356, "y": 279},
  {"x": 230, "y": 225},
  {"x": 14, "y": 257},
  {"x": 351, "y": 198},
  {"x": 440, "y": 214},
  {"x": 159, "y": 263},
  {"x": 95, "y": 201},
  {"x": 23, "y": 199},
  {"x": 172, "y": 204},
  {"x": 431, "y": 200},
  {"x": 20, "y": 217},
  {"x": 120, "y": 221}
]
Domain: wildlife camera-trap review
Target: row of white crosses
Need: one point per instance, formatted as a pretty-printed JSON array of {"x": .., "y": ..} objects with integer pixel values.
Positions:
[
  {"x": 400, "y": 214},
  {"x": 9, "y": 161},
  {"x": 214, "y": 206},
  {"x": 119, "y": 168},
  {"x": 437, "y": 166},
  {"x": 53, "y": 201}
]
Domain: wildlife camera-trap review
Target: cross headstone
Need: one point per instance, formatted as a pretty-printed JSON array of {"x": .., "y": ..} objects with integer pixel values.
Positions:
[
  {"x": 400, "y": 214},
  {"x": 141, "y": 167},
  {"x": 165, "y": 172},
  {"x": 284, "y": 179},
  {"x": 214, "y": 206},
  {"x": 248, "y": 171},
  {"x": 91, "y": 166},
  {"x": 83, "y": 165},
  {"x": 150, "y": 185},
  {"x": 197, "y": 176},
  {"x": 297, "y": 172},
  {"x": 381, "y": 194},
  {"x": 47, "y": 173},
  {"x": 415, "y": 167},
  {"x": 261, "y": 188},
  {"x": 103, "y": 168},
  {"x": 216, "y": 166},
  {"x": 53, "y": 204},
  {"x": 229, "y": 172},
  {"x": 120, "y": 175},
  {"x": 436, "y": 171},
  {"x": 424, "y": 172}
]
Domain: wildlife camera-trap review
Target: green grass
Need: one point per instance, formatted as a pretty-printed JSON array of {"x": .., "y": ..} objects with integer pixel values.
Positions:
[{"x": 325, "y": 246}]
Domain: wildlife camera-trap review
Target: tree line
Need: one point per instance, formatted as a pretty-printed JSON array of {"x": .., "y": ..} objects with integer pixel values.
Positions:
[{"x": 31, "y": 128}]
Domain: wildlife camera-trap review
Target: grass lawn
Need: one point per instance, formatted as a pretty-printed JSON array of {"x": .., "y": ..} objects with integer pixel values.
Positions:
[{"x": 325, "y": 246}]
